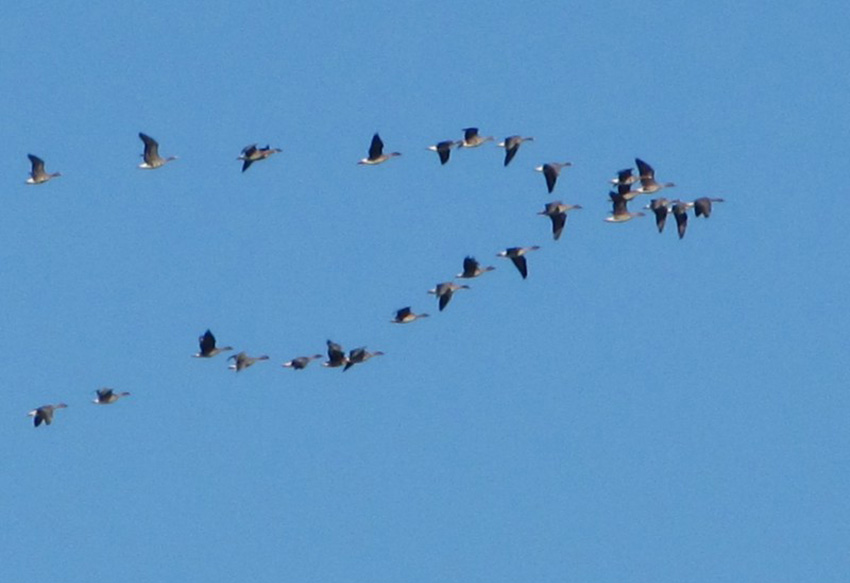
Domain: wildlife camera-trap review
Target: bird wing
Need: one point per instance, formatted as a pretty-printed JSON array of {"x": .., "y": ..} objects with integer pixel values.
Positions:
[
  {"x": 151, "y": 147},
  {"x": 376, "y": 148},
  {"x": 521, "y": 265},
  {"x": 37, "y": 165},
  {"x": 559, "y": 220}
]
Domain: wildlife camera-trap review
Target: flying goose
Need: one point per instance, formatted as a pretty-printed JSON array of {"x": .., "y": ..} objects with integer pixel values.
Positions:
[
  {"x": 301, "y": 362},
  {"x": 557, "y": 211},
  {"x": 660, "y": 207},
  {"x": 151, "y": 154},
  {"x": 358, "y": 355},
  {"x": 444, "y": 292},
  {"x": 444, "y": 149},
  {"x": 107, "y": 396},
  {"x": 648, "y": 185},
  {"x": 702, "y": 205},
  {"x": 471, "y": 139},
  {"x": 551, "y": 171},
  {"x": 511, "y": 146},
  {"x": 208, "y": 348},
  {"x": 243, "y": 361},
  {"x": 44, "y": 414},
  {"x": 620, "y": 212},
  {"x": 471, "y": 268},
  {"x": 405, "y": 315},
  {"x": 37, "y": 174},
  {"x": 376, "y": 152},
  {"x": 517, "y": 255},
  {"x": 336, "y": 356},
  {"x": 252, "y": 153}
]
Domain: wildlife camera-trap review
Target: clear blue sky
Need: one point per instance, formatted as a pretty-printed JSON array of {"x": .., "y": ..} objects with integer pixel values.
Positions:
[{"x": 639, "y": 409}]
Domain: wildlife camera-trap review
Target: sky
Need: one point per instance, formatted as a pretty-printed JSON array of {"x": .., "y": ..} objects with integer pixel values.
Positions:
[{"x": 641, "y": 408}]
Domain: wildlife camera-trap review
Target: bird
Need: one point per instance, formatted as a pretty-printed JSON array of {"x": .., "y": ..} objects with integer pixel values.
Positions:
[
  {"x": 243, "y": 361},
  {"x": 151, "y": 154},
  {"x": 252, "y": 153},
  {"x": 37, "y": 174},
  {"x": 646, "y": 174},
  {"x": 471, "y": 268},
  {"x": 625, "y": 190},
  {"x": 624, "y": 176},
  {"x": 702, "y": 205},
  {"x": 336, "y": 356},
  {"x": 620, "y": 213},
  {"x": 358, "y": 355},
  {"x": 107, "y": 396},
  {"x": 661, "y": 210},
  {"x": 557, "y": 211},
  {"x": 471, "y": 139},
  {"x": 44, "y": 414},
  {"x": 444, "y": 149},
  {"x": 405, "y": 315},
  {"x": 517, "y": 255},
  {"x": 301, "y": 362},
  {"x": 551, "y": 171},
  {"x": 511, "y": 146},
  {"x": 680, "y": 213},
  {"x": 207, "y": 344},
  {"x": 444, "y": 292},
  {"x": 376, "y": 152}
]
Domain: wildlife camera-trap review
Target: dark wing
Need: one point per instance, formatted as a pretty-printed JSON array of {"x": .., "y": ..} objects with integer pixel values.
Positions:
[
  {"x": 444, "y": 150},
  {"x": 681, "y": 222},
  {"x": 559, "y": 220},
  {"x": 249, "y": 151},
  {"x": 104, "y": 394},
  {"x": 624, "y": 175},
  {"x": 470, "y": 266},
  {"x": 246, "y": 164},
  {"x": 521, "y": 265},
  {"x": 644, "y": 169},
  {"x": 702, "y": 206},
  {"x": 402, "y": 313},
  {"x": 207, "y": 342},
  {"x": 38, "y": 418},
  {"x": 151, "y": 147},
  {"x": 377, "y": 147},
  {"x": 660, "y": 217},
  {"x": 37, "y": 164},
  {"x": 469, "y": 133},
  {"x": 445, "y": 299},
  {"x": 619, "y": 202},
  {"x": 551, "y": 174},
  {"x": 624, "y": 189},
  {"x": 510, "y": 152}
]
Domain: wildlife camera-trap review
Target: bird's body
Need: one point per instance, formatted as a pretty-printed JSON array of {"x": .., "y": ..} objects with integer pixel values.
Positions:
[
  {"x": 517, "y": 256},
  {"x": 44, "y": 414},
  {"x": 551, "y": 171},
  {"x": 471, "y": 138},
  {"x": 445, "y": 291},
  {"x": 37, "y": 173},
  {"x": 336, "y": 356},
  {"x": 243, "y": 361},
  {"x": 444, "y": 149},
  {"x": 151, "y": 154},
  {"x": 376, "y": 153},
  {"x": 252, "y": 153},
  {"x": 648, "y": 184},
  {"x": 405, "y": 316},
  {"x": 301, "y": 362},
  {"x": 358, "y": 355},
  {"x": 471, "y": 268},
  {"x": 511, "y": 146},
  {"x": 207, "y": 345},
  {"x": 557, "y": 211},
  {"x": 620, "y": 212},
  {"x": 107, "y": 396},
  {"x": 702, "y": 206}
]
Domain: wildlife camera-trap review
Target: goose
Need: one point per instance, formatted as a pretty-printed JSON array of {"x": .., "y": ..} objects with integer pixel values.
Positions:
[
  {"x": 301, "y": 362},
  {"x": 702, "y": 206},
  {"x": 517, "y": 255},
  {"x": 620, "y": 213},
  {"x": 557, "y": 211},
  {"x": 625, "y": 190},
  {"x": 444, "y": 149},
  {"x": 471, "y": 139},
  {"x": 444, "y": 292},
  {"x": 471, "y": 268},
  {"x": 551, "y": 171},
  {"x": 336, "y": 355},
  {"x": 37, "y": 174},
  {"x": 660, "y": 207},
  {"x": 243, "y": 361},
  {"x": 44, "y": 414},
  {"x": 376, "y": 152},
  {"x": 107, "y": 396},
  {"x": 405, "y": 315},
  {"x": 358, "y": 355},
  {"x": 252, "y": 153},
  {"x": 624, "y": 176},
  {"x": 648, "y": 185},
  {"x": 680, "y": 213},
  {"x": 208, "y": 348},
  {"x": 511, "y": 146},
  {"x": 151, "y": 154}
]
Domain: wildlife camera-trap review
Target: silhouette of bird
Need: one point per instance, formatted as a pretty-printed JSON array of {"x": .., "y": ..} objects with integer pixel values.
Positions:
[
  {"x": 252, "y": 153},
  {"x": 358, "y": 355},
  {"x": 471, "y": 268},
  {"x": 648, "y": 185},
  {"x": 557, "y": 211},
  {"x": 551, "y": 171},
  {"x": 511, "y": 146},
  {"x": 107, "y": 396},
  {"x": 660, "y": 207},
  {"x": 376, "y": 152},
  {"x": 336, "y": 355},
  {"x": 207, "y": 344},
  {"x": 620, "y": 213},
  {"x": 471, "y": 139},
  {"x": 44, "y": 414},
  {"x": 444, "y": 292},
  {"x": 405, "y": 315},
  {"x": 702, "y": 205},
  {"x": 37, "y": 173},
  {"x": 151, "y": 154},
  {"x": 517, "y": 255},
  {"x": 243, "y": 361},
  {"x": 443, "y": 149},
  {"x": 301, "y": 362}
]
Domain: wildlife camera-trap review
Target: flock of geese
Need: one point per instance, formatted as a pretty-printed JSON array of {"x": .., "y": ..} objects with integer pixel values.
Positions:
[{"x": 556, "y": 210}]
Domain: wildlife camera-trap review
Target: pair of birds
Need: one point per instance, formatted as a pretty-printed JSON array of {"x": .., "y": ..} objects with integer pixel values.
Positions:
[
  {"x": 337, "y": 357},
  {"x": 208, "y": 349},
  {"x": 44, "y": 414},
  {"x": 661, "y": 207}
]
